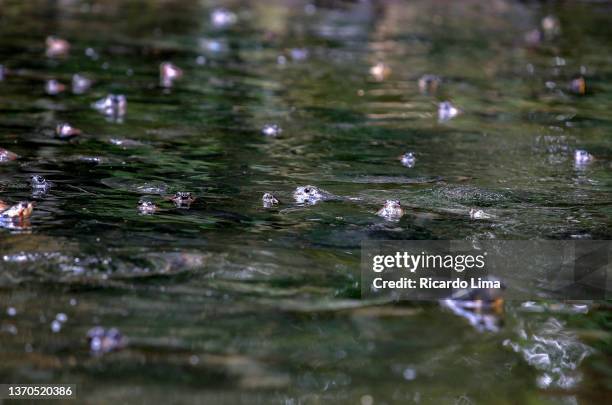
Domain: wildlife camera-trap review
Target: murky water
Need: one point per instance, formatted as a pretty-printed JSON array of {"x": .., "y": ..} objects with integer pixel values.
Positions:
[{"x": 229, "y": 302}]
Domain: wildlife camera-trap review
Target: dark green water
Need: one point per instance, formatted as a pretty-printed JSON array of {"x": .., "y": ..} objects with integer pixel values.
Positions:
[{"x": 227, "y": 302}]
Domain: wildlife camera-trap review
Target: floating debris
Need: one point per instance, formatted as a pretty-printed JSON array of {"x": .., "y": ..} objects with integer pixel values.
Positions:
[
  {"x": 428, "y": 84},
  {"x": 105, "y": 340},
  {"x": 311, "y": 195},
  {"x": 392, "y": 210},
  {"x": 578, "y": 85},
  {"x": 408, "y": 159},
  {"x": 380, "y": 71},
  {"x": 269, "y": 200},
  {"x": 113, "y": 105},
  {"x": 479, "y": 214},
  {"x": 53, "y": 87},
  {"x": 446, "y": 111},
  {"x": 65, "y": 130},
  {"x": 168, "y": 73},
  {"x": 147, "y": 207},
  {"x": 582, "y": 157},
  {"x": 221, "y": 18},
  {"x": 18, "y": 211},
  {"x": 271, "y": 130},
  {"x": 2, "y": 72},
  {"x": 80, "y": 84},
  {"x": 182, "y": 199},
  {"x": 7, "y": 155},
  {"x": 57, "y": 47}
]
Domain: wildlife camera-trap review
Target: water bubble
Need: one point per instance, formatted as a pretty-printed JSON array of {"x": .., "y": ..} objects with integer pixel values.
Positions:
[
  {"x": 61, "y": 317},
  {"x": 11, "y": 311}
]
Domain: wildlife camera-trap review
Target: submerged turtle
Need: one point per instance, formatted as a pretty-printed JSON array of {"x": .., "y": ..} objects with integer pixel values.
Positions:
[
  {"x": 54, "y": 87},
  {"x": 80, "y": 84},
  {"x": 408, "y": 159},
  {"x": 65, "y": 130},
  {"x": 428, "y": 84},
  {"x": 447, "y": 111},
  {"x": 7, "y": 155},
  {"x": 392, "y": 210},
  {"x": 182, "y": 199},
  {"x": 578, "y": 85},
  {"x": 168, "y": 73},
  {"x": 39, "y": 181},
  {"x": 312, "y": 195},
  {"x": 18, "y": 211},
  {"x": 271, "y": 130},
  {"x": 147, "y": 207},
  {"x": 57, "y": 47},
  {"x": 482, "y": 307},
  {"x": 479, "y": 214},
  {"x": 40, "y": 185},
  {"x": 269, "y": 200},
  {"x": 105, "y": 340},
  {"x": 113, "y": 105},
  {"x": 582, "y": 157},
  {"x": 380, "y": 71},
  {"x": 221, "y": 18}
]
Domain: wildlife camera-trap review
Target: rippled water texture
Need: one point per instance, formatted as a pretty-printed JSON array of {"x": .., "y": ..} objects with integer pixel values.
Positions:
[{"x": 225, "y": 301}]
